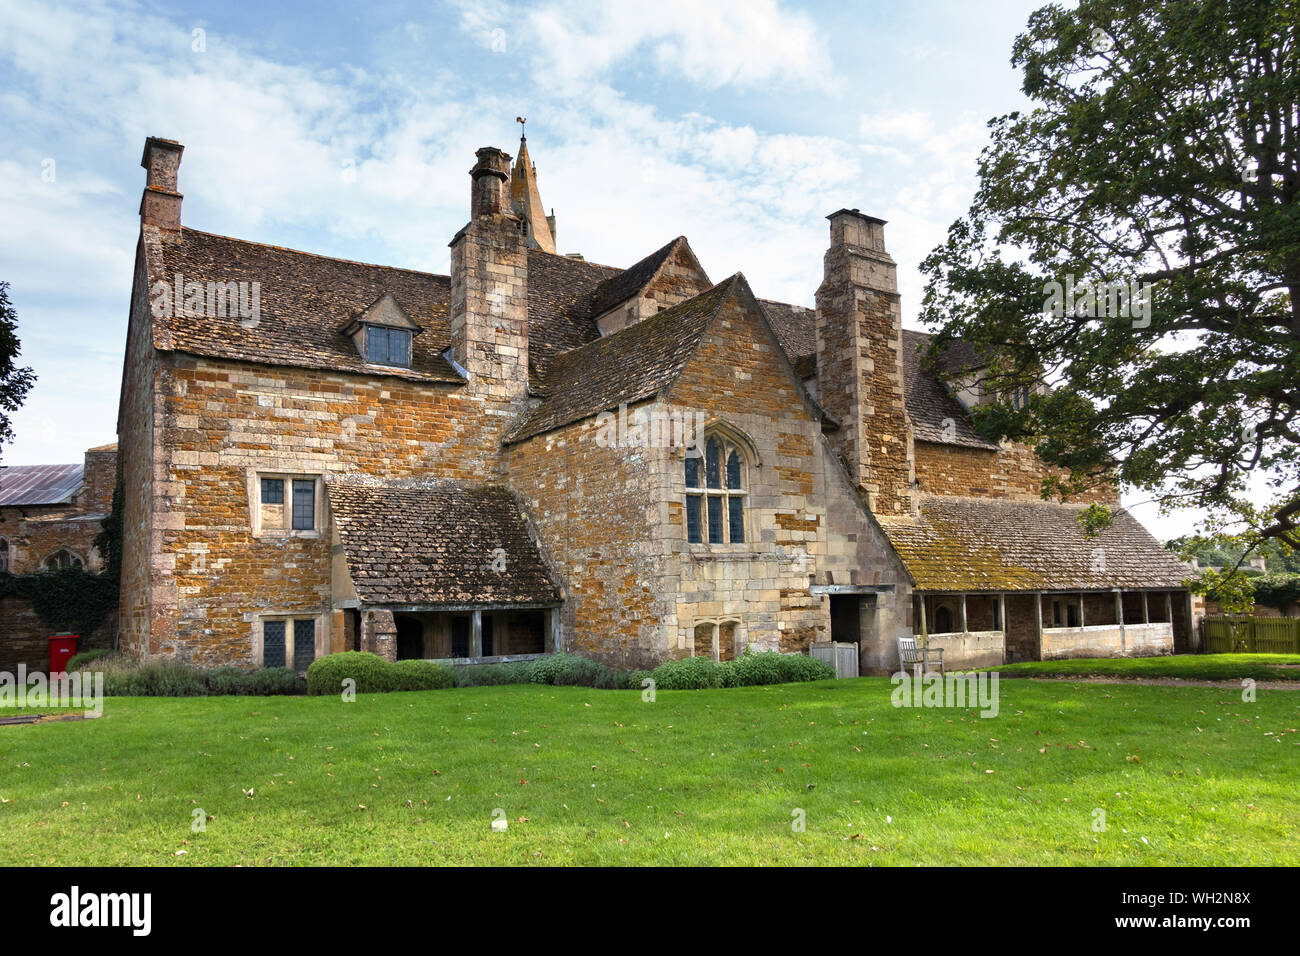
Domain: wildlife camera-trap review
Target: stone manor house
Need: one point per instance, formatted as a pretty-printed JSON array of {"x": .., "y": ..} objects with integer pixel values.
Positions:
[{"x": 539, "y": 453}]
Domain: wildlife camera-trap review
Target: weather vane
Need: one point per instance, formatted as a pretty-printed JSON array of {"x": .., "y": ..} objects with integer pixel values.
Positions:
[{"x": 521, "y": 120}]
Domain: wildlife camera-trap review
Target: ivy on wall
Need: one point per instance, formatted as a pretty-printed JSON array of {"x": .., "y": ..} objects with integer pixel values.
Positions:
[
  {"x": 70, "y": 599},
  {"x": 73, "y": 599}
]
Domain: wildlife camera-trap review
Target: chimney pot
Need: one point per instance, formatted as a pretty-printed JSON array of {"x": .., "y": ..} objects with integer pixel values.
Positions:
[
  {"x": 488, "y": 182},
  {"x": 160, "y": 205}
]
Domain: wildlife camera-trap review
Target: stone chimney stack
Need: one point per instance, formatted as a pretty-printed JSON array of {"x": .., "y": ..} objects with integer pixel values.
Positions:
[
  {"x": 161, "y": 203},
  {"x": 488, "y": 178},
  {"x": 860, "y": 361},
  {"x": 489, "y": 287}
]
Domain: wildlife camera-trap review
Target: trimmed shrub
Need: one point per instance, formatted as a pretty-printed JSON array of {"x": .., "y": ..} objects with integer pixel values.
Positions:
[
  {"x": 228, "y": 681},
  {"x": 688, "y": 673},
  {"x": 275, "y": 681},
  {"x": 78, "y": 662},
  {"x": 162, "y": 679},
  {"x": 371, "y": 672},
  {"x": 421, "y": 675},
  {"x": 492, "y": 675},
  {"x": 800, "y": 667},
  {"x": 637, "y": 677}
]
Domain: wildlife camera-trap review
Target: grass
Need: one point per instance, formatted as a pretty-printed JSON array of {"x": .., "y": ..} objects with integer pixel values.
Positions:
[
  {"x": 1181, "y": 666},
  {"x": 1185, "y": 775}
]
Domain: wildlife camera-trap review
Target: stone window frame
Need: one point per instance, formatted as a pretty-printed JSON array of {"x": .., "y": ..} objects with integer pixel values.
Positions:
[
  {"x": 730, "y": 439},
  {"x": 286, "y": 529},
  {"x": 6, "y": 554},
  {"x": 388, "y": 329},
  {"x": 738, "y": 634},
  {"x": 318, "y": 618},
  {"x": 77, "y": 560}
]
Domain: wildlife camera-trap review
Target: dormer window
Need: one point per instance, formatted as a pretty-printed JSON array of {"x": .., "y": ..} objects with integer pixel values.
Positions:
[
  {"x": 388, "y": 346},
  {"x": 383, "y": 333}
]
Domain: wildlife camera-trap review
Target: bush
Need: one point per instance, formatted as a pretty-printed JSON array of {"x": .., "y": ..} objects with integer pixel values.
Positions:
[
  {"x": 373, "y": 674},
  {"x": 688, "y": 673},
  {"x": 78, "y": 662},
  {"x": 160, "y": 679},
  {"x": 228, "y": 681},
  {"x": 755, "y": 668},
  {"x": 421, "y": 675},
  {"x": 491, "y": 675},
  {"x": 274, "y": 681},
  {"x": 750, "y": 669}
]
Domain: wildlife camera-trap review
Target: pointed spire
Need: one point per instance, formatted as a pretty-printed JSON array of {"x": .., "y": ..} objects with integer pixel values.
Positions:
[{"x": 527, "y": 201}]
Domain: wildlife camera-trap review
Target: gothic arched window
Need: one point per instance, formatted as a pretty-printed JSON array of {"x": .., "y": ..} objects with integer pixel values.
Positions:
[
  {"x": 61, "y": 560},
  {"x": 715, "y": 493}
]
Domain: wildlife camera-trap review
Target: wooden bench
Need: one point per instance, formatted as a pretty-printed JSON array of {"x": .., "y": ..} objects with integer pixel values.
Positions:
[{"x": 911, "y": 654}]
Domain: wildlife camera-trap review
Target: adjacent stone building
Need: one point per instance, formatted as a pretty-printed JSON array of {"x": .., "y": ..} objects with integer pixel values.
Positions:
[
  {"x": 50, "y": 516},
  {"x": 539, "y": 452}
]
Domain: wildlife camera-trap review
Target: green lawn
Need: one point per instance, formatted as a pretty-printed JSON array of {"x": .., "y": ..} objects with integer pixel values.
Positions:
[
  {"x": 1184, "y": 666},
  {"x": 1186, "y": 775}
]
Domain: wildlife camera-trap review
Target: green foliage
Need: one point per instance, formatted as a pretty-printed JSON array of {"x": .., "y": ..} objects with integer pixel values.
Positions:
[
  {"x": 70, "y": 599},
  {"x": 79, "y": 662},
  {"x": 1277, "y": 590},
  {"x": 422, "y": 675},
  {"x": 493, "y": 675},
  {"x": 372, "y": 674},
  {"x": 123, "y": 677},
  {"x": 1234, "y": 592},
  {"x": 109, "y": 540},
  {"x": 750, "y": 669},
  {"x": 15, "y": 381},
  {"x": 1158, "y": 150},
  {"x": 687, "y": 673}
]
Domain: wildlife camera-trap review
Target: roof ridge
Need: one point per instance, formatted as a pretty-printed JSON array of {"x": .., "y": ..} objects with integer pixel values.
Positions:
[{"x": 316, "y": 255}]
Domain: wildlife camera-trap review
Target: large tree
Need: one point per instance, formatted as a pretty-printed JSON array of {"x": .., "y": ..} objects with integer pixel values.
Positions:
[
  {"x": 15, "y": 382},
  {"x": 1161, "y": 148}
]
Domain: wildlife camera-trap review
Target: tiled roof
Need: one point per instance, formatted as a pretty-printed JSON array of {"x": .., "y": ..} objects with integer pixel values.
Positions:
[
  {"x": 935, "y": 414},
  {"x": 304, "y": 301},
  {"x": 39, "y": 484},
  {"x": 622, "y": 286},
  {"x": 796, "y": 329},
  {"x": 631, "y": 365},
  {"x": 559, "y": 312},
  {"x": 434, "y": 544},
  {"x": 977, "y": 544}
]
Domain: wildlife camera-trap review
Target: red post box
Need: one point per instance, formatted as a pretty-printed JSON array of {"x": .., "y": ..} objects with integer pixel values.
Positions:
[{"x": 62, "y": 647}]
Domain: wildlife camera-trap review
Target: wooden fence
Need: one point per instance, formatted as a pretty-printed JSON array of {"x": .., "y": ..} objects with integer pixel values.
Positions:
[{"x": 1252, "y": 635}]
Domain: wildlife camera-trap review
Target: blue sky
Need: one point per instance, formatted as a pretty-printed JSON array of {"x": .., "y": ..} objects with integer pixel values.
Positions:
[{"x": 348, "y": 129}]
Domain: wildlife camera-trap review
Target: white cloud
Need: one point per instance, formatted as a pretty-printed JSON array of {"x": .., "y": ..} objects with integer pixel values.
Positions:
[{"x": 741, "y": 43}]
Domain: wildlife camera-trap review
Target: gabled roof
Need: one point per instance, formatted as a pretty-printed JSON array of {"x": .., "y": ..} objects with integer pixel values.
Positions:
[
  {"x": 628, "y": 283},
  {"x": 427, "y": 543},
  {"x": 631, "y": 365},
  {"x": 39, "y": 484},
  {"x": 385, "y": 311},
  {"x": 303, "y": 301},
  {"x": 979, "y": 544}
]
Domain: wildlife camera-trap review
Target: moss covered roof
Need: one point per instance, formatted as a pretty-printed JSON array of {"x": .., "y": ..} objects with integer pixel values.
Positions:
[{"x": 976, "y": 544}]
